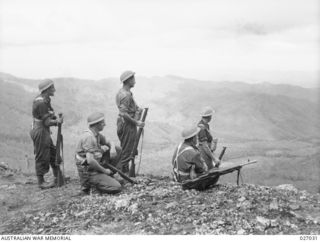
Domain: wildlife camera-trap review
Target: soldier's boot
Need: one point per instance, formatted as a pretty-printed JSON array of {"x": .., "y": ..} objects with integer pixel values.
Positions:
[{"x": 42, "y": 184}]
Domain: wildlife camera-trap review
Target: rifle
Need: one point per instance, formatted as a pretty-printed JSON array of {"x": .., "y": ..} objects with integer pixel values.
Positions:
[
  {"x": 230, "y": 168},
  {"x": 132, "y": 171},
  {"x": 211, "y": 177},
  {"x": 112, "y": 168},
  {"x": 222, "y": 152},
  {"x": 59, "y": 155}
]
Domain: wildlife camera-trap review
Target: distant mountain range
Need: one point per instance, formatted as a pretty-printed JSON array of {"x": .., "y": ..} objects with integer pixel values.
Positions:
[{"x": 243, "y": 111}]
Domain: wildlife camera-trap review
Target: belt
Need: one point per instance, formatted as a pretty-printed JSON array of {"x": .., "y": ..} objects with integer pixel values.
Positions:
[
  {"x": 81, "y": 159},
  {"x": 37, "y": 120}
]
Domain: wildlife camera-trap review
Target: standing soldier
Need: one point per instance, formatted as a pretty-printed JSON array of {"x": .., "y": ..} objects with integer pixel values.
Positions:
[
  {"x": 92, "y": 151},
  {"x": 206, "y": 140},
  {"x": 186, "y": 159},
  {"x": 128, "y": 119},
  {"x": 43, "y": 119}
]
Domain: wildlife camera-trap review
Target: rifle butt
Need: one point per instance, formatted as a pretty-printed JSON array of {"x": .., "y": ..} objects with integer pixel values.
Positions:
[
  {"x": 222, "y": 152},
  {"x": 60, "y": 178},
  {"x": 132, "y": 171}
]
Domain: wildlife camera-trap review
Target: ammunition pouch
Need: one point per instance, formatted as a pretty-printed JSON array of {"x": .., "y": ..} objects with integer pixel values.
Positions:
[{"x": 81, "y": 161}]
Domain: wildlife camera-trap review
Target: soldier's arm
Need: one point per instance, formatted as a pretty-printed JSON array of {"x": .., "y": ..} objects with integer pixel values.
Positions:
[
  {"x": 110, "y": 145},
  {"x": 50, "y": 122},
  {"x": 196, "y": 160},
  {"x": 204, "y": 142},
  {"x": 95, "y": 164},
  {"x": 128, "y": 118},
  {"x": 123, "y": 108},
  {"x": 46, "y": 115}
]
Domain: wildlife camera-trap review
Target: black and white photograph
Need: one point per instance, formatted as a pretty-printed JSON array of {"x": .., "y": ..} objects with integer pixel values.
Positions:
[{"x": 149, "y": 117}]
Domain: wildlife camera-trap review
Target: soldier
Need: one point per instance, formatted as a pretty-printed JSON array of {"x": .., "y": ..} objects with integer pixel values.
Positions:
[
  {"x": 186, "y": 157},
  {"x": 206, "y": 141},
  {"x": 43, "y": 119},
  {"x": 128, "y": 119},
  {"x": 92, "y": 151}
]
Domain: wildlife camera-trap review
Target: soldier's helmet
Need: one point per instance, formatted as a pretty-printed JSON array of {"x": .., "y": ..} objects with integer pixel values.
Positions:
[
  {"x": 94, "y": 118},
  {"x": 126, "y": 75},
  {"x": 45, "y": 84},
  {"x": 190, "y": 132},
  {"x": 207, "y": 111}
]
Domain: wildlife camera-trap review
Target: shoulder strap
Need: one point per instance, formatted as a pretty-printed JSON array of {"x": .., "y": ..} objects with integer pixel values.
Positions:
[
  {"x": 39, "y": 98},
  {"x": 201, "y": 126},
  {"x": 175, "y": 162}
]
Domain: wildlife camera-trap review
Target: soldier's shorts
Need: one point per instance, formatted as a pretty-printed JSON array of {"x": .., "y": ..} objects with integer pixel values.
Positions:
[{"x": 44, "y": 150}]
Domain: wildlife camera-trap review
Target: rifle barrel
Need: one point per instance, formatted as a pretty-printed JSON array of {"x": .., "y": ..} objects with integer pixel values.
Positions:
[
  {"x": 112, "y": 168},
  {"x": 132, "y": 171},
  {"x": 222, "y": 152},
  {"x": 248, "y": 163}
]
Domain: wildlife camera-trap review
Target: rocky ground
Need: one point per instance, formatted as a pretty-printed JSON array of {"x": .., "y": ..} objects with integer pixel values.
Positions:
[{"x": 156, "y": 205}]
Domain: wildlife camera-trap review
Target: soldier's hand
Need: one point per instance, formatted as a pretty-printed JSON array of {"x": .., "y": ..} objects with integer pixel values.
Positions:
[
  {"x": 107, "y": 172},
  {"x": 217, "y": 163},
  {"x": 104, "y": 148},
  {"x": 60, "y": 120},
  {"x": 140, "y": 124}
]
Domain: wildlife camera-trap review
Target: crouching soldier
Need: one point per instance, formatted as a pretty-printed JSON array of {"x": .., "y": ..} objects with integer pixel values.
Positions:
[
  {"x": 43, "y": 119},
  {"x": 186, "y": 161},
  {"x": 91, "y": 153}
]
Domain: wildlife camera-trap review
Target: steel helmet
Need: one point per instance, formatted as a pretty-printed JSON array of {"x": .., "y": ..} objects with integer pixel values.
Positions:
[
  {"x": 190, "y": 132},
  {"x": 95, "y": 118},
  {"x": 126, "y": 75},
  {"x": 207, "y": 111},
  {"x": 45, "y": 84}
]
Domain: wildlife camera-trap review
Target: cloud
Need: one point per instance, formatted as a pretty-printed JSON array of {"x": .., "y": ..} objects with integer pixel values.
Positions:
[{"x": 99, "y": 38}]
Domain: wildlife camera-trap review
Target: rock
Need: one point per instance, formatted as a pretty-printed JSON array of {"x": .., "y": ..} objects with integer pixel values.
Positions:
[
  {"x": 134, "y": 208},
  {"x": 293, "y": 226},
  {"x": 246, "y": 204},
  {"x": 4, "y": 186},
  {"x": 241, "y": 231},
  {"x": 241, "y": 199},
  {"x": 274, "y": 205},
  {"x": 263, "y": 221},
  {"x": 4, "y": 166},
  {"x": 299, "y": 216},
  {"x": 30, "y": 181},
  {"x": 288, "y": 187},
  {"x": 294, "y": 206},
  {"x": 82, "y": 213},
  {"x": 172, "y": 205},
  {"x": 122, "y": 203},
  {"x": 274, "y": 223},
  {"x": 287, "y": 223}
]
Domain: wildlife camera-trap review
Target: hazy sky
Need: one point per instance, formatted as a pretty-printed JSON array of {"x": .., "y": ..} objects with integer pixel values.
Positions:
[{"x": 243, "y": 40}]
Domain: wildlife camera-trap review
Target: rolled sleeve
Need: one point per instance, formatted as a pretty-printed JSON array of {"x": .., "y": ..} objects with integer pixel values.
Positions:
[
  {"x": 196, "y": 160},
  {"x": 89, "y": 144}
]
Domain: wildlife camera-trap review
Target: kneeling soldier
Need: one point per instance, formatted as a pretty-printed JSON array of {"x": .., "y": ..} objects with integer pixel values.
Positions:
[
  {"x": 90, "y": 155},
  {"x": 186, "y": 157}
]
